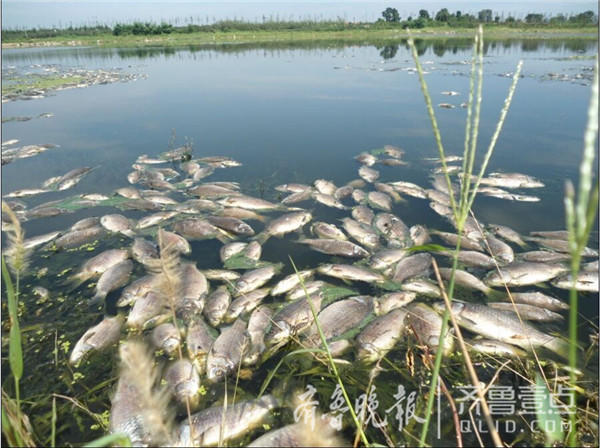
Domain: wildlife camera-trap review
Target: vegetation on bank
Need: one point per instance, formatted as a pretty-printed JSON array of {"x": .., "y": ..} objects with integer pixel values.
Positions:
[
  {"x": 362, "y": 36},
  {"x": 391, "y": 23}
]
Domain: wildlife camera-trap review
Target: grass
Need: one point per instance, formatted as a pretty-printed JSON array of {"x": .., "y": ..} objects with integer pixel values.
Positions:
[
  {"x": 461, "y": 209},
  {"x": 261, "y": 36},
  {"x": 580, "y": 217}
]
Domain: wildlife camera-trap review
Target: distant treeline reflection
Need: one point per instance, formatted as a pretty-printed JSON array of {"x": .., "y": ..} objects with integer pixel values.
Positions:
[{"x": 387, "y": 48}]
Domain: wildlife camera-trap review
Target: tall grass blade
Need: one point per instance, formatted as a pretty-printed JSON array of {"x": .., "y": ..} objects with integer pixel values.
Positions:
[
  {"x": 332, "y": 365},
  {"x": 580, "y": 216},
  {"x": 547, "y": 413},
  {"x": 119, "y": 439}
]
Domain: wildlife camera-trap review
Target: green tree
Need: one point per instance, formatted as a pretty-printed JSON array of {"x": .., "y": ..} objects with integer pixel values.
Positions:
[
  {"x": 391, "y": 15},
  {"x": 423, "y": 14},
  {"x": 485, "y": 15},
  {"x": 442, "y": 15},
  {"x": 534, "y": 18}
]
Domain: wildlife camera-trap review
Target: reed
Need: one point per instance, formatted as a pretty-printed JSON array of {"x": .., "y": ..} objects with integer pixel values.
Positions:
[
  {"x": 580, "y": 216},
  {"x": 462, "y": 206}
]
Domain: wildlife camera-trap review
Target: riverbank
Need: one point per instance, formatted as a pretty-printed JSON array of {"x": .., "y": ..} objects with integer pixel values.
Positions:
[{"x": 350, "y": 36}]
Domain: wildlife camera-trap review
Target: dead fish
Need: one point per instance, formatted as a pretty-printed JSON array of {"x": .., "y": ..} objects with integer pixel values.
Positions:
[
  {"x": 423, "y": 287},
  {"x": 508, "y": 234},
  {"x": 97, "y": 338},
  {"x": 78, "y": 237},
  {"x": 586, "y": 281},
  {"x": 113, "y": 278},
  {"x": 379, "y": 200},
  {"x": 503, "y": 326},
  {"x": 147, "y": 311},
  {"x": 450, "y": 93},
  {"x": 349, "y": 272},
  {"x": 174, "y": 242},
  {"x": 417, "y": 265},
  {"x": 327, "y": 231},
  {"x": 360, "y": 233},
  {"x": 343, "y": 192},
  {"x": 359, "y": 196},
  {"x": 363, "y": 214},
  {"x": 233, "y": 225},
  {"x": 292, "y": 319},
  {"x": 473, "y": 258},
  {"x": 254, "y": 279},
  {"x": 99, "y": 264},
  {"x": 298, "y": 197},
  {"x": 117, "y": 223},
  {"x": 128, "y": 192},
  {"x": 216, "y": 305},
  {"x": 291, "y": 281},
  {"x": 36, "y": 241},
  {"x": 198, "y": 341},
  {"x": 496, "y": 348},
  {"x": 284, "y": 224},
  {"x": 543, "y": 256},
  {"x": 409, "y": 189},
  {"x": 380, "y": 336},
  {"x": 248, "y": 202},
  {"x": 309, "y": 288},
  {"x": 527, "y": 312},
  {"x": 143, "y": 250},
  {"x": 183, "y": 381},
  {"x": 393, "y": 162},
  {"x": 419, "y": 235},
  {"x": 335, "y": 247},
  {"x": 231, "y": 249},
  {"x": 366, "y": 159},
  {"x": 328, "y": 200},
  {"x": 154, "y": 219},
  {"x": 258, "y": 323},
  {"x": 166, "y": 337},
  {"x": 426, "y": 325},
  {"x": 393, "y": 228},
  {"x": 499, "y": 250},
  {"x": 392, "y": 301},
  {"x": 221, "y": 275},
  {"x": 200, "y": 229},
  {"x": 240, "y": 213},
  {"x": 226, "y": 352},
  {"x": 446, "y": 106},
  {"x": 245, "y": 303},
  {"x": 465, "y": 279},
  {"x": 25, "y": 192},
  {"x": 393, "y": 151},
  {"x": 562, "y": 246},
  {"x": 340, "y": 317},
  {"x": 239, "y": 419},
  {"x": 137, "y": 289},
  {"x": 523, "y": 274},
  {"x": 537, "y": 299},
  {"x": 210, "y": 191},
  {"x": 386, "y": 257},
  {"x": 368, "y": 174},
  {"x": 325, "y": 186},
  {"x": 293, "y": 188}
]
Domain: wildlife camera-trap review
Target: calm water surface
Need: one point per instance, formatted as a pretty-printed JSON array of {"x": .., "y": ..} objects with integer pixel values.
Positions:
[{"x": 299, "y": 114}]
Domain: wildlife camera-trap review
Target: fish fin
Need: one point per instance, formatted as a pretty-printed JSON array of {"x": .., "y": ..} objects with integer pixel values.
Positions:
[{"x": 558, "y": 346}]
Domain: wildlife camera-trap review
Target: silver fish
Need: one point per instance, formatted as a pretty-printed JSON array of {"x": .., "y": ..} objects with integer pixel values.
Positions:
[
  {"x": 239, "y": 419},
  {"x": 166, "y": 337},
  {"x": 216, "y": 305},
  {"x": 327, "y": 231},
  {"x": 426, "y": 324},
  {"x": 245, "y": 303},
  {"x": 254, "y": 279},
  {"x": 503, "y": 326},
  {"x": 523, "y": 274},
  {"x": 113, "y": 278},
  {"x": 349, "y": 272},
  {"x": 586, "y": 281},
  {"x": 291, "y": 281},
  {"x": 527, "y": 312},
  {"x": 417, "y": 265},
  {"x": 227, "y": 351},
  {"x": 380, "y": 336},
  {"x": 335, "y": 247},
  {"x": 97, "y": 338}
]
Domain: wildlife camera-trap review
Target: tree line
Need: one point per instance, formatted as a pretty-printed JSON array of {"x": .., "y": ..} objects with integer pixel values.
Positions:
[
  {"x": 390, "y": 19},
  {"x": 485, "y": 16}
]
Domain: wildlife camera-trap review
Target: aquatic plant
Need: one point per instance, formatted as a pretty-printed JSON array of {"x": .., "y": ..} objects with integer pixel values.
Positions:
[
  {"x": 462, "y": 208},
  {"x": 580, "y": 217}
]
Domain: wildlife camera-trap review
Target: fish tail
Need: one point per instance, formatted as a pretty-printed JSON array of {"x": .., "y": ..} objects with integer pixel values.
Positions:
[
  {"x": 559, "y": 346},
  {"x": 73, "y": 282}
]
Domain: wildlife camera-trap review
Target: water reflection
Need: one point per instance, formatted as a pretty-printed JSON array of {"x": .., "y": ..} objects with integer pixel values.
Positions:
[{"x": 388, "y": 48}]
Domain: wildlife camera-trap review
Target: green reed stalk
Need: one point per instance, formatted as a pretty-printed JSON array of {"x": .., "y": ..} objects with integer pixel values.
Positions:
[
  {"x": 357, "y": 423},
  {"x": 461, "y": 211},
  {"x": 580, "y": 218}
]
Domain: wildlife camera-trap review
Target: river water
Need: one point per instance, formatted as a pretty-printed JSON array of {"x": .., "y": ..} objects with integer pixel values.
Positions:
[{"x": 289, "y": 113}]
